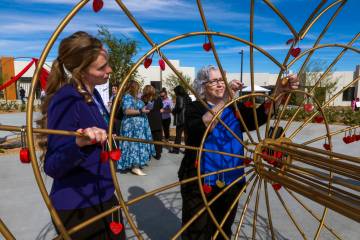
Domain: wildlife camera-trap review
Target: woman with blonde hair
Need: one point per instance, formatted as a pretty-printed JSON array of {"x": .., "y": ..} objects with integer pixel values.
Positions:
[
  {"x": 82, "y": 184},
  {"x": 154, "y": 104},
  {"x": 134, "y": 124}
]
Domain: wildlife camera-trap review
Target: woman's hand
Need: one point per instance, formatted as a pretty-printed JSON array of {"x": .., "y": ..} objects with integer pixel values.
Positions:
[
  {"x": 91, "y": 136},
  {"x": 234, "y": 85},
  {"x": 145, "y": 110},
  {"x": 290, "y": 82}
]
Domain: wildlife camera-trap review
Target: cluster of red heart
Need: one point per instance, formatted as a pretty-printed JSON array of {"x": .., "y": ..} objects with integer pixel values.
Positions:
[{"x": 351, "y": 138}]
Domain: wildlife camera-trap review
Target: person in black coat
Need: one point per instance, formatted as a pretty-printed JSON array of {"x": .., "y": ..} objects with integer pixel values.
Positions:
[
  {"x": 211, "y": 88},
  {"x": 154, "y": 104},
  {"x": 182, "y": 100}
]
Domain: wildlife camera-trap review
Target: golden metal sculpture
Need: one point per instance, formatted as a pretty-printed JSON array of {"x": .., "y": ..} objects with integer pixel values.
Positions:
[{"x": 332, "y": 193}]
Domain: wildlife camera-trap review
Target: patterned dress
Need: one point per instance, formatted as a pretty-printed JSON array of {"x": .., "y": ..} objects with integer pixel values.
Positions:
[{"x": 134, "y": 154}]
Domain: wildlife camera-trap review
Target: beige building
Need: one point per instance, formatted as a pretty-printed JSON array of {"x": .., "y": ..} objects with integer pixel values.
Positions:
[{"x": 153, "y": 75}]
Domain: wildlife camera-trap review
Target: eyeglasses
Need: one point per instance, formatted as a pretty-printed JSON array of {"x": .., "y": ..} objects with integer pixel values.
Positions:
[
  {"x": 214, "y": 82},
  {"x": 162, "y": 96}
]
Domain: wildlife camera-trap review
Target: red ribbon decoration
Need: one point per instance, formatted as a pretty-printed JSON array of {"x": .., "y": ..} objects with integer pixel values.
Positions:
[{"x": 18, "y": 76}]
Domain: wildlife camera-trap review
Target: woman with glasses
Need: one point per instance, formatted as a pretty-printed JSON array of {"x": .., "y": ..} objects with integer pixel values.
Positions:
[{"x": 211, "y": 88}]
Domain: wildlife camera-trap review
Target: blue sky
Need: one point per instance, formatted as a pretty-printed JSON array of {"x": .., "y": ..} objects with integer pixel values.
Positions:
[{"x": 26, "y": 25}]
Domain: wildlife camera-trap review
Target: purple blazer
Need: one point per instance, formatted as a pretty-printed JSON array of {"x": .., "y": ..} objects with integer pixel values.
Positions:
[{"x": 80, "y": 180}]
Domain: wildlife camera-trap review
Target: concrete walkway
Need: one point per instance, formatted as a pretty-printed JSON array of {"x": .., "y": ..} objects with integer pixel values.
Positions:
[{"x": 159, "y": 217}]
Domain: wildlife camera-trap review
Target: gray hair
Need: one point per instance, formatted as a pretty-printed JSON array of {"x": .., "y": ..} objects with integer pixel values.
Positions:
[{"x": 202, "y": 76}]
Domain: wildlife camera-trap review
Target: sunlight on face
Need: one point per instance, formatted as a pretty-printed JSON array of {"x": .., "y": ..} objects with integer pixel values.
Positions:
[
  {"x": 99, "y": 71},
  {"x": 215, "y": 87}
]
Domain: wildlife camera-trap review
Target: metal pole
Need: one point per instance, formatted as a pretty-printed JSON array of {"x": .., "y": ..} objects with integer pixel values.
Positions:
[{"x": 241, "y": 68}]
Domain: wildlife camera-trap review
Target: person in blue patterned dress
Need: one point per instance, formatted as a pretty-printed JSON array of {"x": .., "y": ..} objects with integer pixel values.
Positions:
[{"x": 134, "y": 124}]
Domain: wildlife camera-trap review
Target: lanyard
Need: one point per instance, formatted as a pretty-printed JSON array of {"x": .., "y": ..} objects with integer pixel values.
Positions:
[{"x": 103, "y": 112}]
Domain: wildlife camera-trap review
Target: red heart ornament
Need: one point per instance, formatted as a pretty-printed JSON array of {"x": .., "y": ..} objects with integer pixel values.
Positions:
[
  {"x": 116, "y": 227},
  {"x": 278, "y": 154},
  {"x": 267, "y": 105},
  {"x": 247, "y": 161},
  {"x": 358, "y": 137},
  {"x": 319, "y": 119},
  {"x": 289, "y": 41},
  {"x": 276, "y": 186},
  {"x": 207, "y": 46},
  {"x": 353, "y": 138},
  {"x": 147, "y": 62},
  {"x": 248, "y": 104},
  {"x": 104, "y": 156},
  {"x": 97, "y": 5},
  {"x": 345, "y": 139},
  {"x": 295, "y": 52},
  {"x": 308, "y": 107},
  {"x": 348, "y": 139},
  {"x": 207, "y": 188},
  {"x": 326, "y": 146},
  {"x": 162, "y": 64},
  {"x": 115, "y": 154},
  {"x": 24, "y": 155}
]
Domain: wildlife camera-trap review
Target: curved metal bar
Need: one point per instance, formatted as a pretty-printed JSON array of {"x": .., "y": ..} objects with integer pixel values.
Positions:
[
  {"x": 256, "y": 209},
  {"x": 268, "y": 210},
  {"x": 5, "y": 232},
  {"x": 29, "y": 119},
  {"x": 207, "y": 206},
  {"x": 245, "y": 208},
  {"x": 322, "y": 76},
  {"x": 283, "y": 18},
  {"x": 323, "y": 46},
  {"x": 312, "y": 213},
  {"x": 201, "y": 11},
  {"x": 332, "y": 134},
  {"x": 319, "y": 15},
  {"x": 291, "y": 216},
  {"x": 233, "y": 205},
  {"x": 252, "y": 68}
]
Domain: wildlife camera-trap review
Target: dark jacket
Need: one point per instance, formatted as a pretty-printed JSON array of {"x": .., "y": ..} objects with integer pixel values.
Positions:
[
  {"x": 80, "y": 180},
  {"x": 196, "y": 129},
  {"x": 154, "y": 116},
  {"x": 180, "y": 109}
]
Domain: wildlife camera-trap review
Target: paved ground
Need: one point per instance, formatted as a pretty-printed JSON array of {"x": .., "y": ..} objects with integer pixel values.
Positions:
[{"x": 23, "y": 211}]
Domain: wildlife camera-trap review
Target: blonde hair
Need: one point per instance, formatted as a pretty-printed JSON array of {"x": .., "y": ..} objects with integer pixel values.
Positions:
[{"x": 148, "y": 93}]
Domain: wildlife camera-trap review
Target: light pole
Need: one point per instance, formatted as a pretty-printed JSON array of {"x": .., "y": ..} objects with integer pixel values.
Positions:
[
  {"x": 241, "y": 63},
  {"x": 241, "y": 67}
]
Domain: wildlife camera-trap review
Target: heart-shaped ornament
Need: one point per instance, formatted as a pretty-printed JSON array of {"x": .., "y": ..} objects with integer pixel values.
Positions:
[
  {"x": 247, "y": 161},
  {"x": 162, "y": 64},
  {"x": 207, "y": 46},
  {"x": 319, "y": 119},
  {"x": 248, "y": 104},
  {"x": 308, "y": 107},
  {"x": 24, "y": 155},
  {"x": 295, "y": 52},
  {"x": 115, "y": 154},
  {"x": 147, "y": 62},
  {"x": 326, "y": 146},
  {"x": 289, "y": 41},
  {"x": 206, "y": 188},
  {"x": 276, "y": 186},
  {"x": 97, "y": 5},
  {"x": 116, "y": 227},
  {"x": 220, "y": 183},
  {"x": 104, "y": 156}
]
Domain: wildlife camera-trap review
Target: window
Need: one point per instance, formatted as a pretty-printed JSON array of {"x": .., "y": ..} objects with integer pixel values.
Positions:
[{"x": 349, "y": 94}]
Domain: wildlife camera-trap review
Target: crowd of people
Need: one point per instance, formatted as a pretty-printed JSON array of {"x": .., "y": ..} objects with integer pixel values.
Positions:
[{"x": 82, "y": 185}]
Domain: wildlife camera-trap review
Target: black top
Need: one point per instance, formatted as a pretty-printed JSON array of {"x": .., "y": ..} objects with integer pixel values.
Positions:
[
  {"x": 154, "y": 116},
  {"x": 180, "y": 108},
  {"x": 195, "y": 128}
]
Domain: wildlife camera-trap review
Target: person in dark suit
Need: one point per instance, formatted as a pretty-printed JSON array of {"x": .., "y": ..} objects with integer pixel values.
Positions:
[
  {"x": 154, "y": 104},
  {"x": 82, "y": 185},
  {"x": 182, "y": 100}
]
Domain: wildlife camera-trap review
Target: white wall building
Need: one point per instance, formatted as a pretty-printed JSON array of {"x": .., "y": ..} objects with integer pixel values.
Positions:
[{"x": 153, "y": 75}]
